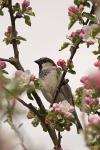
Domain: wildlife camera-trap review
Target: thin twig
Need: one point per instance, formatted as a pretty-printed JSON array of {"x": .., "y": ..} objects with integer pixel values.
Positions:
[
  {"x": 59, "y": 139},
  {"x": 40, "y": 116},
  {"x": 73, "y": 50},
  {"x": 14, "y": 35}
]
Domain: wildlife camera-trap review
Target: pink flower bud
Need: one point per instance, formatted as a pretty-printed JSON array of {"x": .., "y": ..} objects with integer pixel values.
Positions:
[
  {"x": 69, "y": 62},
  {"x": 72, "y": 10},
  {"x": 58, "y": 109},
  {"x": 94, "y": 120},
  {"x": 68, "y": 115},
  {"x": 91, "y": 101},
  {"x": 97, "y": 64},
  {"x": 9, "y": 29},
  {"x": 18, "y": 73},
  {"x": 73, "y": 34},
  {"x": 61, "y": 63},
  {"x": 81, "y": 35},
  {"x": 86, "y": 81},
  {"x": 95, "y": 80},
  {"x": 17, "y": 5},
  {"x": 87, "y": 100},
  {"x": 2, "y": 65},
  {"x": 25, "y": 4},
  {"x": 32, "y": 77},
  {"x": 55, "y": 105},
  {"x": 78, "y": 31},
  {"x": 71, "y": 109},
  {"x": 81, "y": 8}
]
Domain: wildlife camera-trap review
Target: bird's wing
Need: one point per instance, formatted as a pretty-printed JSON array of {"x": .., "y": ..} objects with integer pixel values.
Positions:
[{"x": 67, "y": 93}]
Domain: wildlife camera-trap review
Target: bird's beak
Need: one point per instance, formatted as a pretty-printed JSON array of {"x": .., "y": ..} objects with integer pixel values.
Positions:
[{"x": 36, "y": 61}]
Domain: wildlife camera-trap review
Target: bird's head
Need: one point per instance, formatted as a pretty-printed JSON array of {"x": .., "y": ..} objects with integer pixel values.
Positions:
[{"x": 45, "y": 62}]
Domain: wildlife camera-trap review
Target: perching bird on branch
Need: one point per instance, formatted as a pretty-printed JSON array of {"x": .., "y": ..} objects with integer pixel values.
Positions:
[{"x": 49, "y": 79}]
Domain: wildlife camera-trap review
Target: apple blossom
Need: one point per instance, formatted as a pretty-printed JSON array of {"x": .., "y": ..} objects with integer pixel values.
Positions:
[
  {"x": 81, "y": 8},
  {"x": 88, "y": 30},
  {"x": 17, "y": 5},
  {"x": 26, "y": 4},
  {"x": 94, "y": 120},
  {"x": 2, "y": 65},
  {"x": 95, "y": 80},
  {"x": 81, "y": 35},
  {"x": 61, "y": 63},
  {"x": 97, "y": 64},
  {"x": 73, "y": 34},
  {"x": 69, "y": 62},
  {"x": 10, "y": 29},
  {"x": 23, "y": 78},
  {"x": 86, "y": 81},
  {"x": 68, "y": 115},
  {"x": 32, "y": 77},
  {"x": 72, "y": 10},
  {"x": 71, "y": 109},
  {"x": 91, "y": 101}
]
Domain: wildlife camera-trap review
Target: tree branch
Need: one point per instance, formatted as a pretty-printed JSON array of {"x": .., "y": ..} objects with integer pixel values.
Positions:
[
  {"x": 14, "y": 35},
  {"x": 41, "y": 117},
  {"x": 73, "y": 50}
]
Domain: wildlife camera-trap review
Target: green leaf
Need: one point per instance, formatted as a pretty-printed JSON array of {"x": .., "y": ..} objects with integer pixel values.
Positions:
[
  {"x": 5, "y": 72},
  {"x": 29, "y": 95},
  {"x": 96, "y": 94},
  {"x": 7, "y": 40},
  {"x": 72, "y": 22},
  {"x": 30, "y": 12},
  {"x": 96, "y": 52},
  {"x": 21, "y": 38},
  {"x": 82, "y": 2},
  {"x": 65, "y": 45},
  {"x": 1, "y": 12},
  {"x": 89, "y": 16},
  {"x": 27, "y": 20},
  {"x": 95, "y": 32},
  {"x": 98, "y": 57},
  {"x": 37, "y": 84},
  {"x": 15, "y": 8},
  {"x": 72, "y": 71},
  {"x": 35, "y": 122}
]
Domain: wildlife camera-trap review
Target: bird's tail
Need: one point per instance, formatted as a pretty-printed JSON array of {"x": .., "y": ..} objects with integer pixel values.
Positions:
[{"x": 77, "y": 122}]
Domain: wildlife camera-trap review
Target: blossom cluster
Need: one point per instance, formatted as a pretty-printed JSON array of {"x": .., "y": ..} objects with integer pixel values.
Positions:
[
  {"x": 92, "y": 81},
  {"x": 61, "y": 116},
  {"x": 73, "y": 10},
  {"x": 93, "y": 130}
]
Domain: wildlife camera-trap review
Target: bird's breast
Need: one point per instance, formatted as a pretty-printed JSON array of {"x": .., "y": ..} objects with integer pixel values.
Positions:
[{"x": 48, "y": 83}]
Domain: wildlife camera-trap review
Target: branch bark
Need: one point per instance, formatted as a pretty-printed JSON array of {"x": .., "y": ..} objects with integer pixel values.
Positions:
[{"x": 14, "y": 35}]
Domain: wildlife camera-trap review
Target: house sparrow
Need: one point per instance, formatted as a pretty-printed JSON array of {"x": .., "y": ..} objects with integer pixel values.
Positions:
[{"x": 49, "y": 78}]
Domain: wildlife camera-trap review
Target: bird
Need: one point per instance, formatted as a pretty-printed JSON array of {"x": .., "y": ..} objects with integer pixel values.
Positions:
[{"x": 49, "y": 78}]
